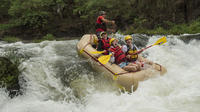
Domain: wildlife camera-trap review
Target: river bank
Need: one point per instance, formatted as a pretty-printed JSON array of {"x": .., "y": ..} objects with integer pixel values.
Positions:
[
  {"x": 50, "y": 37},
  {"x": 172, "y": 29}
]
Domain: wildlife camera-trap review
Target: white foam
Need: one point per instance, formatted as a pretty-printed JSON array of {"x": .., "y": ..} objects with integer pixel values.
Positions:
[{"x": 177, "y": 91}]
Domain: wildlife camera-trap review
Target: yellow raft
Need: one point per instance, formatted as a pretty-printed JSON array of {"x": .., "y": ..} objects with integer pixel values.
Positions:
[{"x": 127, "y": 80}]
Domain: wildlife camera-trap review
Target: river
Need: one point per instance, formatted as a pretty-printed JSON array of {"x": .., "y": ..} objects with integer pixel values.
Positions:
[{"x": 55, "y": 79}]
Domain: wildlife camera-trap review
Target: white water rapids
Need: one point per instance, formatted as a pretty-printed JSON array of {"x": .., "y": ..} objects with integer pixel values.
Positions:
[{"x": 53, "y": 69}]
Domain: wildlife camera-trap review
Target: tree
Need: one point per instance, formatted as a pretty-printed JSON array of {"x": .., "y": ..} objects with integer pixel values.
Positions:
[{"x": 4, "y": 6}]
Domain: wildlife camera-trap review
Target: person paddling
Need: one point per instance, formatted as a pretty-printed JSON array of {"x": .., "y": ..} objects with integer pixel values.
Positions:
[
  {"x": 101, "y": 23},
  {"x": 103, "y": 43},
  {"x": 119, "y": 57},
  {"x": 130, "y": 49},
  {"x": 132, "y": 53}
]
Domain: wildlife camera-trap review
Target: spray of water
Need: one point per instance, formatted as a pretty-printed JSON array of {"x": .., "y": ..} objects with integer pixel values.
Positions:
[{"x": 58, "y": 80}]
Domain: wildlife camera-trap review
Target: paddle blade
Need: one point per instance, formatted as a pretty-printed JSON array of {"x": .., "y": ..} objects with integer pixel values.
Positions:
[
  {"x": 81, "y": 51},
  {"x": 104, "y": 59},
  {"x": 97, "y": 52},
  {"x": 161, "y": 41}
]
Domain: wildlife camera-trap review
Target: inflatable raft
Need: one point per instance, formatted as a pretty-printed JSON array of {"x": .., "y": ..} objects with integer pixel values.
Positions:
[{"x": 125, "y": 80}]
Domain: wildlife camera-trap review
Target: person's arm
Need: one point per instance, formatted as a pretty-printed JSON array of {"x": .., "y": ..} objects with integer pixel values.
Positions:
[
  {"x": 138, "y": 52},
  {"x": 112, "y": 59},
  {"x": 100, "y": 44},
  {"x": 108, "y": 21},
  {"x": 124, "y": 48},
  {"x": 142, "y": 59},
  {"x": 111, "y": 30}
]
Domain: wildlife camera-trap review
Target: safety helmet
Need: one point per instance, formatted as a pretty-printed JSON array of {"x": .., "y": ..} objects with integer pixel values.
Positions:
[
  {"x": 102, "y": 13},
  {"x": 127, "y": 37},
  {"x": 111, "y": 40},
  {"x": 102, "y": 33}
]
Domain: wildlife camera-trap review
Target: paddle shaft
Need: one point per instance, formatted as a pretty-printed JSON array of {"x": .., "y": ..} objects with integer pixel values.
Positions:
[
  {"x": 158, "y": 42},
  {"x": 147, "y": 47},
  {"x": 138, "y": 52},
  {"x": 99, "y": 62}
]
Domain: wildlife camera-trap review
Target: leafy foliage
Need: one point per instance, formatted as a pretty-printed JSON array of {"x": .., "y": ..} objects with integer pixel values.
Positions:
[
  {"x": 79, "y": 16},
  {"x": 11, "y": 39},
  {"x": 46, "y": 37}
]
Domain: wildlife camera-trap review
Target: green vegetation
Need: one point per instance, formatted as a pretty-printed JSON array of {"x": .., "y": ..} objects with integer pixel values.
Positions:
[
  {"x": 37, "y": 18},
  {"x": 193, "y": 27},
  {"x": 9, "y": 70},
  {"x": 46, "y": 37},
  {"x": 11, "y": 39},
  {"x": 6, "y": 26}
]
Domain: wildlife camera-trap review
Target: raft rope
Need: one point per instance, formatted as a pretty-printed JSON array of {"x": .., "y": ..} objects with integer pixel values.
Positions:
[
  {"x": 99, "y": 62},
  {"x": 115, "y": 75},
  {"x": 81, "y": 51}
]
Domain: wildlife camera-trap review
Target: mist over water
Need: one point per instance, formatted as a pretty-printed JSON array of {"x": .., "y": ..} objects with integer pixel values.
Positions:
[{"x": 58, "y": 80}]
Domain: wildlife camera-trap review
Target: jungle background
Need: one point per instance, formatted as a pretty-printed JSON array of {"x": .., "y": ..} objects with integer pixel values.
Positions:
[{"x": 34, "y": 19}]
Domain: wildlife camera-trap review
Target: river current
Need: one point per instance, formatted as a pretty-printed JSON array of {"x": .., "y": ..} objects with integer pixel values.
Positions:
[{"x": 55, "y": 79}]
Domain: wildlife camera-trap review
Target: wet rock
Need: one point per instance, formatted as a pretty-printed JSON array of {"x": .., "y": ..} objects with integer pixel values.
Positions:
[
  {"x": 140, "y": 40},
  {"x": 9, "y": 77},
  {"x": 188, "y": 37}
]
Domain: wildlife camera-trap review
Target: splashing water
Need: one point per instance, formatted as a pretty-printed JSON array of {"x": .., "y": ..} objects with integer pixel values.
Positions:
[{"x": 58, "y": 80}]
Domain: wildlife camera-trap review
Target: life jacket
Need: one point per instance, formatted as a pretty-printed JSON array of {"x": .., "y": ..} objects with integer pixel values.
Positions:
[
  {"x": 106, "y": 44},
  {"x": 118, "y": 54},
  {"x": 100, "y": 24},
  {"x": 131, "y": 51}
]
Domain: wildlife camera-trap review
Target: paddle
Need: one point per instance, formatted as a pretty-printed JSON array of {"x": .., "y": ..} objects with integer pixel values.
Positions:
[
  {"x": 158, "y": 42},
  {"x": 97, "y": 52},
  {"x": 81, "y": 51},
  {"x": 105, "y": 58}
]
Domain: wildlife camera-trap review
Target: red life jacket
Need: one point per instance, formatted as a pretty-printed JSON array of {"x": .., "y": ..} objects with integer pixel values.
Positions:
[
  {"x": 106, "y": 44},
  {"x": 118, "y": 54},
  {"x": 100, "y": 25}
]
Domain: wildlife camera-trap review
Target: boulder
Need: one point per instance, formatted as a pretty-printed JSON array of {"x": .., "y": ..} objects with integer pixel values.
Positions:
[{"x": 9, "y": 76}]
